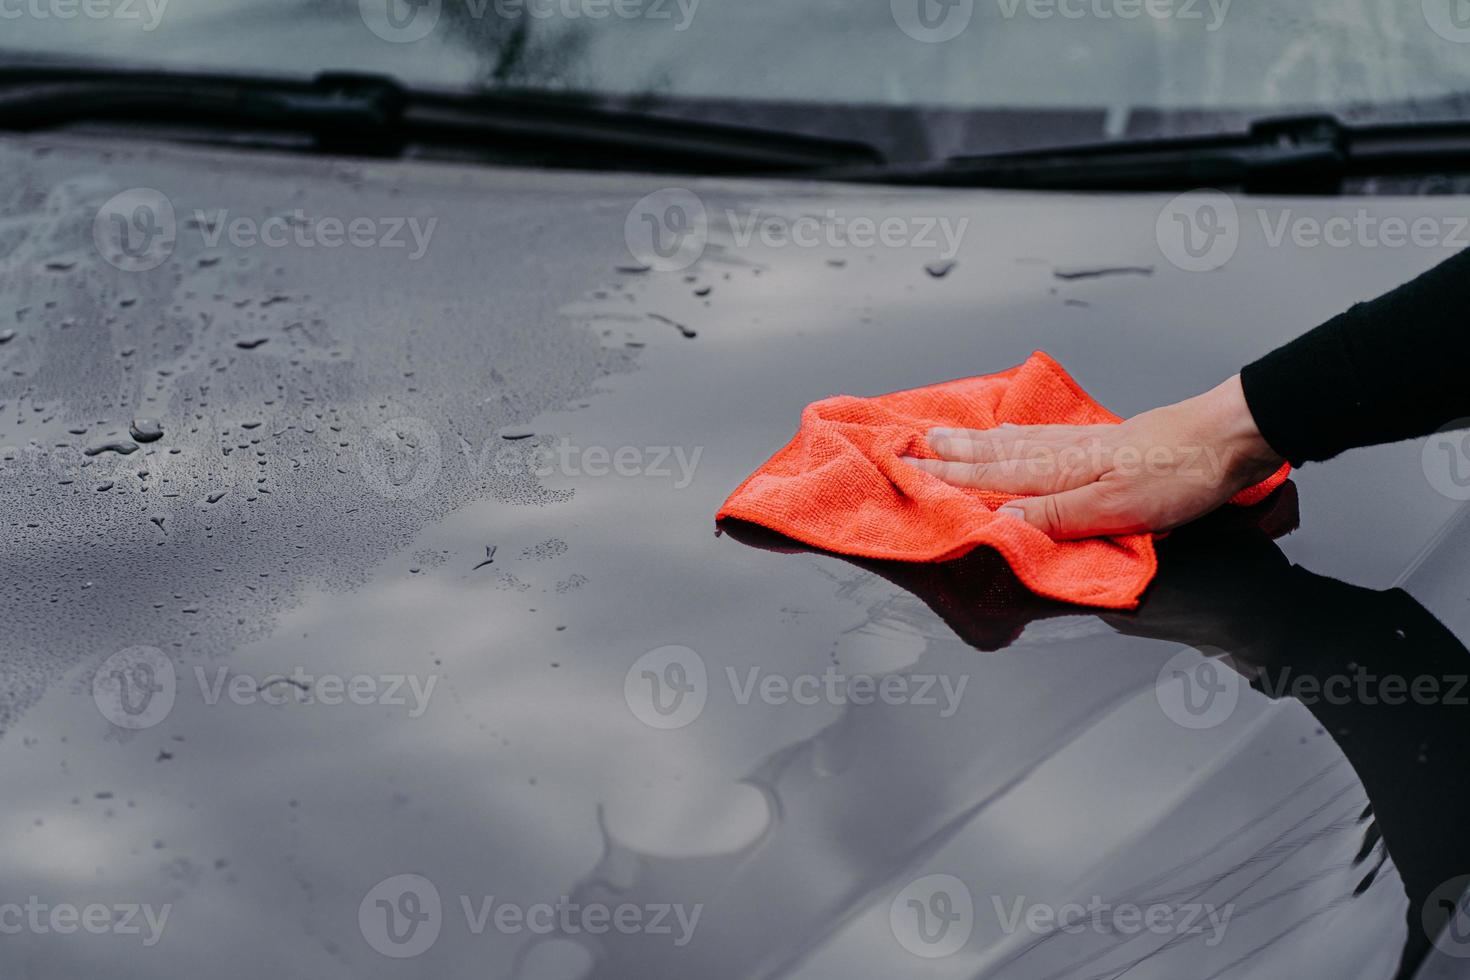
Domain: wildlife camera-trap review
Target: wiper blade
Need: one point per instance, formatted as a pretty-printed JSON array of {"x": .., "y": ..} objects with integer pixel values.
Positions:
[
  {"x": 1296, "y": 155},
  {"x": 372, "y": 115}
]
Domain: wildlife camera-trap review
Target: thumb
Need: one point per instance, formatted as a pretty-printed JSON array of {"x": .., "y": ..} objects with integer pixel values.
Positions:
[{"x": 1076, "y": 513}]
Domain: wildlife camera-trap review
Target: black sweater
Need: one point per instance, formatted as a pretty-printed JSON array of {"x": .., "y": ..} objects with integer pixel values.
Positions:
[{"x": 1393, "y": 368}]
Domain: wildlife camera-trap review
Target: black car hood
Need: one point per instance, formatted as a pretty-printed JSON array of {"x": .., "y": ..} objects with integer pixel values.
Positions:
[{"x": 342, "y": 490}]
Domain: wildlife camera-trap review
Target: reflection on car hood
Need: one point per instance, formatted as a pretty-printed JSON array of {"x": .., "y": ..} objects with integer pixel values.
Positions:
[{"x": 467, "y": 458}]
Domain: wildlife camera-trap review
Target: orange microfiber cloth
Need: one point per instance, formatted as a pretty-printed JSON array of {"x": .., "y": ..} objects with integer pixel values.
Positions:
[{"x": 840, "y": 485}]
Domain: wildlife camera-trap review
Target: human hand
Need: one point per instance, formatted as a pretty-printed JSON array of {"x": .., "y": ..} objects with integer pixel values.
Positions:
[{"x": 1152, "y": 472}]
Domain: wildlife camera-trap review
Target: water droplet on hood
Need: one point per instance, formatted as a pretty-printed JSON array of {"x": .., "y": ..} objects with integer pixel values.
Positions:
[
  {"x": 689, "y": 332},
  {"x": 1097, "y": 272},
  {"x": 146, "y": 430},
  {"x": 121, "y": 446}
]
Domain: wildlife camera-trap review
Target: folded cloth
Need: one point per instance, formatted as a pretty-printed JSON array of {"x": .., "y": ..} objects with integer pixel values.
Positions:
[{"x": 841, "y": 486}]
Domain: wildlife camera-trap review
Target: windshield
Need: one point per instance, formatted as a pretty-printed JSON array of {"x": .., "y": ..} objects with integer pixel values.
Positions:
[{"x": 1073, "y": 67}]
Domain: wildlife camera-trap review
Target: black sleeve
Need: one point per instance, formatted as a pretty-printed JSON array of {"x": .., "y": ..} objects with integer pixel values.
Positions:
[{"x": 1393, "y": 368}]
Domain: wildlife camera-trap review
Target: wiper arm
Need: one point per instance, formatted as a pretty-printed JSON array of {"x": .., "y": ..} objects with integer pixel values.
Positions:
[
  {"x": 371, "y": 115},
  {"x": 1297, "y": 155},
  {"x": 38, "y": 99}
]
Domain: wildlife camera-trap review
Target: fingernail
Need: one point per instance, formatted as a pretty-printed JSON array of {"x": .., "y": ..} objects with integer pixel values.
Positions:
[
  {"x": 1010, "y": 510},
  {"x": 940, "y": 431}
]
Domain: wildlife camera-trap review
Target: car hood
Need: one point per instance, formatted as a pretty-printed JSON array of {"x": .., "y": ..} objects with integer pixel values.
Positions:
[{"x": 472, "y": 478}]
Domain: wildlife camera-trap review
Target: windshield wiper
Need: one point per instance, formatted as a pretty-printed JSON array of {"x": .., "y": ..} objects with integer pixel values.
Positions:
[
  {"x": 372, "y": 115},
  {"x": 1288, "y": 155}
]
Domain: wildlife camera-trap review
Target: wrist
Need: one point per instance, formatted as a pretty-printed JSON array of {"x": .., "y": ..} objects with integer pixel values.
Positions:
[{"x": 1243, "y": 448}]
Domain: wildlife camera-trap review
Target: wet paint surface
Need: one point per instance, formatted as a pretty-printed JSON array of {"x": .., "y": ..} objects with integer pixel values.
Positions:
[{"x": 405, "y": 582}]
